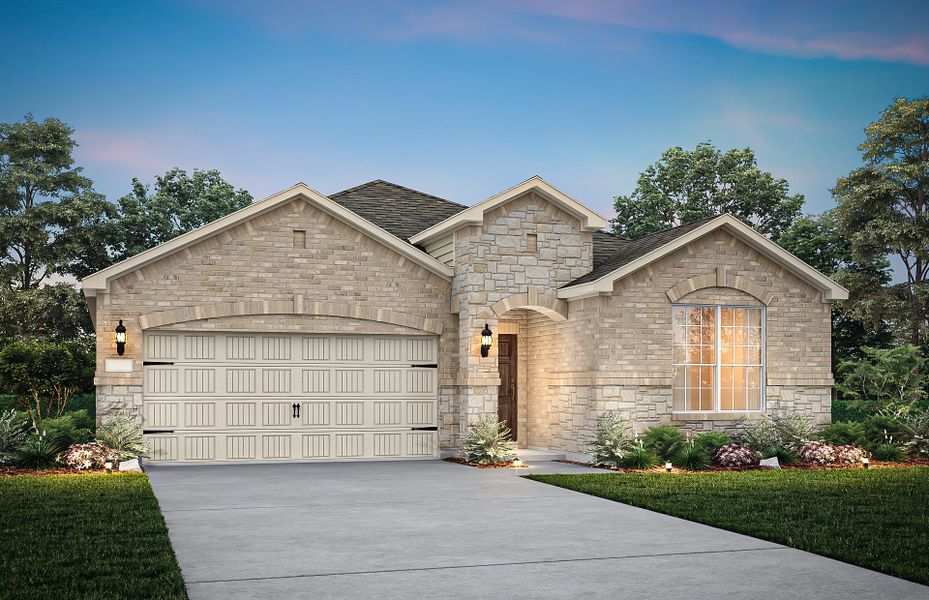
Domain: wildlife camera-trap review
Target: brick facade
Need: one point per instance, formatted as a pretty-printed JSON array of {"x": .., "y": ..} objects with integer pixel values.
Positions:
[{"x": 577, "y": 359}]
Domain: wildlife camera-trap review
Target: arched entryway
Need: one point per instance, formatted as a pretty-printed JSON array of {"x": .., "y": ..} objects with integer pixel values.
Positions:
[{"x": 527, "y": 324}]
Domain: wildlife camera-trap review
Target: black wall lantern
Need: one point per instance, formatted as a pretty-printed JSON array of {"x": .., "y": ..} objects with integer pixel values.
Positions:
[
  {"x": 486, "y": 339},
  {"x": 120, "y": 338}
]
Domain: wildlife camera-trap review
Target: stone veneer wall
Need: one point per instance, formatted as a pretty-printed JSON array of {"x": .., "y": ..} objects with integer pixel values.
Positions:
[
  {"x": 493, "y": 262},
  {"x": 341, "y": 271}
]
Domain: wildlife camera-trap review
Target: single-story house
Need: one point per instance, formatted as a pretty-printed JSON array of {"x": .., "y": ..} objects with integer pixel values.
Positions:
[{"x": 355, "y": 326}]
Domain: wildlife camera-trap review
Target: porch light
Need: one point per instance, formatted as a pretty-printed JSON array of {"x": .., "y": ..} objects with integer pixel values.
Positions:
[
  {"x": 486, "y": 340},
  {"x": 668, "y": 466},
  {"x": 120, "y": 338},
  {"x": 865, "y": 462}
]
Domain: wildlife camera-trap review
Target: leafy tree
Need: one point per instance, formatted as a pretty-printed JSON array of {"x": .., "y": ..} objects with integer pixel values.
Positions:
[
  {"x": 179, "y": 203},
  {"x": 884, "y": 205},
  {"x": 689, "y": 185},
  {"x": 49, "y": 313},
  {"x": 49, "y": 213},
  {"x": 43, "y": 376}
]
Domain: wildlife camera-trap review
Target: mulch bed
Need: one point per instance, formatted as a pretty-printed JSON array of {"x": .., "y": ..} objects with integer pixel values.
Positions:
[
  {"x": 798, "y": 466},
  {"x": 506, "y": 465},
  {"x": 15, "y": 471}
]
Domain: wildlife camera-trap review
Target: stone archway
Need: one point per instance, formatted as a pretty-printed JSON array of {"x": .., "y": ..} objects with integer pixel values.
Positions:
[{"x": 533, "y": 299}]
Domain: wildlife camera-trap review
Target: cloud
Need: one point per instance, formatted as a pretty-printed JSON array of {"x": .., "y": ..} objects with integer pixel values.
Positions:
[
  {"x": 846, "y": 30},
  {"x": 843, "y": 29}
]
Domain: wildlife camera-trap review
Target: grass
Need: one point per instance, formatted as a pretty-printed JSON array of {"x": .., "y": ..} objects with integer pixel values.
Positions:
[
  {"x": 84, "y": 536},
  {"x": 878, "y": 519}
]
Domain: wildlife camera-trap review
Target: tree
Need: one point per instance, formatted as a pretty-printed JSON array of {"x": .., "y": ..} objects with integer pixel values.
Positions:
[
  {"x": 42, "y": 192},
  {"x": 689, "y": 185},
  {"x": 49, "y": 313},
  {"x": 43, "y": 376},
  {"x": 863, "y": 319},
  {"x": 180, "y": 203},
  {"x": 883, "y": 206}
]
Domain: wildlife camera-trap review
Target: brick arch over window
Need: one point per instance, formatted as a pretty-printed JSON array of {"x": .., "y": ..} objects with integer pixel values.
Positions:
[
  {"x": 297, "y": 306},
  {"x": 720, "y": 278},
  {"x": 533, "y": 299}
]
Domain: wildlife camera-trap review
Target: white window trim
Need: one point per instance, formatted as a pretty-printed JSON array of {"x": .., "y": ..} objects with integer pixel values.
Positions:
[{"x": 764, "y": 351}]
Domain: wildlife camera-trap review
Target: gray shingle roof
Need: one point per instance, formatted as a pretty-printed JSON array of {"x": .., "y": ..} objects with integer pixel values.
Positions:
[
  {"x": 404, "y": 212},
  {"x": 606, "y": 244},
  {"x": 399, "y": 210},
  {"x": 629, "y": 250}
]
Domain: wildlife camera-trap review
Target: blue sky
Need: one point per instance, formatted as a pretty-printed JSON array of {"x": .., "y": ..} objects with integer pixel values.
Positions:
[{"x": 459, "y": 99}]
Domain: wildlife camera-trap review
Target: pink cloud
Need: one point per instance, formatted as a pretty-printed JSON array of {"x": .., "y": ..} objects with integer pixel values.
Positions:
[{"x": 793, "y": 30}]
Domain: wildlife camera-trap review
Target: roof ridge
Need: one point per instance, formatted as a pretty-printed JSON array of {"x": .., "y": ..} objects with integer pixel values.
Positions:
[{"x": 398, "y": 186}]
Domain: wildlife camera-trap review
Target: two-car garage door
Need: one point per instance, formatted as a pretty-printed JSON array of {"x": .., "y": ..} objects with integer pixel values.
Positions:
[{"x": 263, "y": 397}]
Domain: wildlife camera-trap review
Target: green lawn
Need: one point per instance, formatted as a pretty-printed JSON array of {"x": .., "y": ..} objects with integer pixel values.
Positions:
[
  {"x": 877, "y": 518},
  {"x": 84, "y": 536}
]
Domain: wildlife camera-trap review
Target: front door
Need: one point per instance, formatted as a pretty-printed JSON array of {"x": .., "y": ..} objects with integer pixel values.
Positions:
[{"x": 506, "y": 396}]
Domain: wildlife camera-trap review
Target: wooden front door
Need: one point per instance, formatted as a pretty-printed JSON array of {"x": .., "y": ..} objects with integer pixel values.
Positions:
[{"x": 506, "y": 396}]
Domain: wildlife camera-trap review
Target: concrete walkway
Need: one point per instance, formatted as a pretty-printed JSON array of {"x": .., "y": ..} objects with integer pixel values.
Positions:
[{"x": 440, "y": 530}]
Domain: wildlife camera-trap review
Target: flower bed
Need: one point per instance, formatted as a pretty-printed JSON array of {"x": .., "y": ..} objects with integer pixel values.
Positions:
[{"x": 511, "y": 464}]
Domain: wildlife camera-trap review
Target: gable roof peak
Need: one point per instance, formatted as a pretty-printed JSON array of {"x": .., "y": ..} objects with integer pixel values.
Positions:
[{"x": 590, "y": 219}]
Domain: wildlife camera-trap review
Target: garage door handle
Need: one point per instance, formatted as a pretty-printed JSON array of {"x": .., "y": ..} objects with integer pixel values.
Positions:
[
  {"x": 296, "y": 410},
  {"x": 424, "y": 428}
]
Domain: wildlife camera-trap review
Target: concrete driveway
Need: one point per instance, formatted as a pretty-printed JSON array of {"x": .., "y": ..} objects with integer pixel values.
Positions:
[{"x": 440, "y": 530}]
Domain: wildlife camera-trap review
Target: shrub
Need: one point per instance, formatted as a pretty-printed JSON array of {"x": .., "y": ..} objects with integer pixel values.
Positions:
[
  {"x": 879, "y": 429},
  {"x": 13, "y": 430},
  {"x": 888, "y": 452},
  {"x": 692, "y": 457},
  {"x": 665, "y": 441},
  {"x": 843, "y": 433},
  {"x": 916, "y": 426},
  {"x": 766, "y": 435},
  {"x": 122, "y": 433},
  {"x": 885, "y": 380},
  {"x": 849, "y": 454},
  {"x": 612, "y": 441},
  {"x": 794, "y": 430},
  {"x": 784, "y": 454},
  {"x": 639, "y": 457},
  {"x": 760, "y": 435},
  {"x": 88, "y": 456},
  {"x": 818, "y": 452},
  {"x": 36, "y": 452},
  {"x": 71, "y": 428},
  {"x": 736, "y": 455},
  {"x": 711, "y": 441},
  {"x": 487, "y": 442},
  {"x": 842, "y": 412}
]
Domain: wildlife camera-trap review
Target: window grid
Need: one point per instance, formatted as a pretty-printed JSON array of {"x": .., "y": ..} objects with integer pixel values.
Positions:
[{"x": 746, "y": 344}]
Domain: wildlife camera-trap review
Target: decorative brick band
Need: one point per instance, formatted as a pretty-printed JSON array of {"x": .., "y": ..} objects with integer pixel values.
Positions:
[
  {"x": 533, "y": 299},
  {"x": 290, "y": 307},
  {"x": 719, "y": 278}
]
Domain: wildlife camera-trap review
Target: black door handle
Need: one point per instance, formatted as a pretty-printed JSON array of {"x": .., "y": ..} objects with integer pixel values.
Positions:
[{"x": 296, "y": 410}]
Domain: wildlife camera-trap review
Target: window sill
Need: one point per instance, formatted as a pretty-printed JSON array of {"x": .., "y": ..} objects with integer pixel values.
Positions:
[{"x": 715, "y": 416}]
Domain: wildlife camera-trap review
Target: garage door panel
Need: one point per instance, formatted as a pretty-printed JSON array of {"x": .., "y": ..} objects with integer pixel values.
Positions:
[
  {"x": 231, "y": 396},
  {"x": 161, "y": 414},
  {"x": 288, "y": 445}
]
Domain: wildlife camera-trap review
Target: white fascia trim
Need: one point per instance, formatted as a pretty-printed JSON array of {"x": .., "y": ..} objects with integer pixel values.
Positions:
[
  {"x": 830, "y": 289},
  {"x": 99, "y": 280},
  {"x": 590, "y": 220}
]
